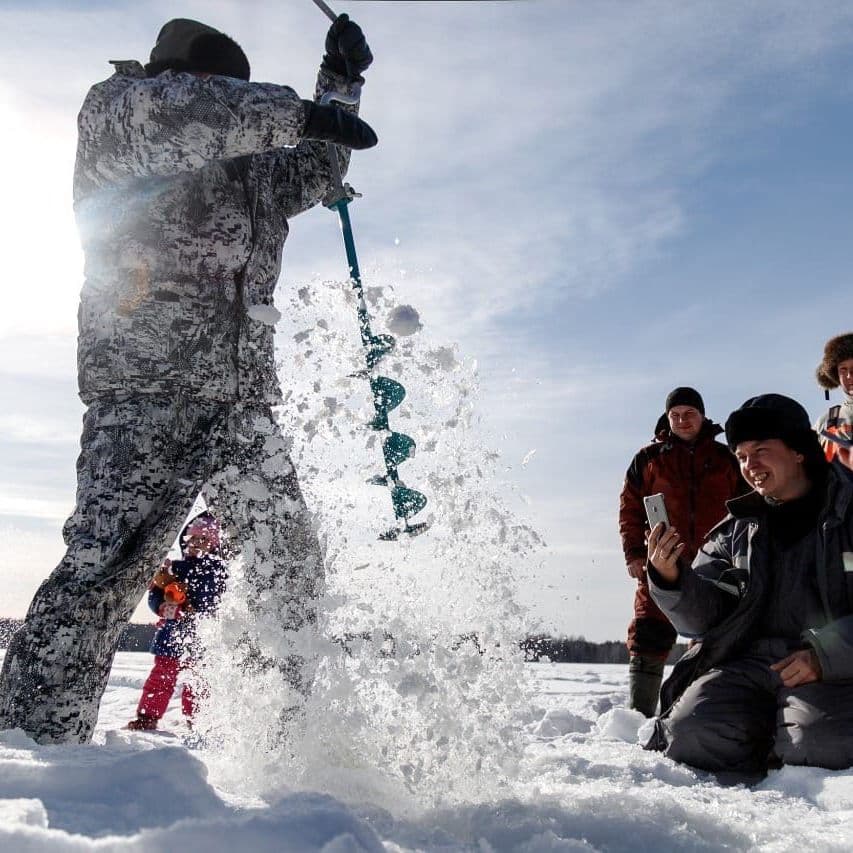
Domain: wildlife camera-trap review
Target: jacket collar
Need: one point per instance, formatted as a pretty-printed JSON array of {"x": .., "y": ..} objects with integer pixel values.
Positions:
[
  {"x": 708, "y": 432},
  {"x": 839, "y": 492},
  {"x": 128, "y": 67}
]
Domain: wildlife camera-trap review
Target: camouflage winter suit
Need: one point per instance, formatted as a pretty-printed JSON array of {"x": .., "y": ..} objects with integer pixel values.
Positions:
[{"x": 183, "y": 188}]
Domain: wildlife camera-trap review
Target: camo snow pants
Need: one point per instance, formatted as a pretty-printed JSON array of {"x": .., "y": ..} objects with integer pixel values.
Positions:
[{"x": 143, "y": 461}]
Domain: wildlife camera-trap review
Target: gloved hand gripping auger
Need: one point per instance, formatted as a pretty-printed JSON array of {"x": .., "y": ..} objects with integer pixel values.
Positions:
[{"x": 387, "y": 393}]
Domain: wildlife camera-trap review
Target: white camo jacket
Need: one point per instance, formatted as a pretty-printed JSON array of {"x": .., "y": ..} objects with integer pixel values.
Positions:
[{"x": 183, "y": 186}]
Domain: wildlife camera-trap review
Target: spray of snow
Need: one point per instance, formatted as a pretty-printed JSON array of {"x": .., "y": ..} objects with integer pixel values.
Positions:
[{"x": 419, "y": 690}]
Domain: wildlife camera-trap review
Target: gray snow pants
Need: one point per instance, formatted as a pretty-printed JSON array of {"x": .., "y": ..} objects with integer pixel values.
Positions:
[
  {"x": 143, "y": 461},
  {"x": 737, "y": 716}
]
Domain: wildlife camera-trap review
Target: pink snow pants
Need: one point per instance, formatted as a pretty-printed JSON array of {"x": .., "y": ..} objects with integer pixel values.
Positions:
[{"x": 159, "y": 687}]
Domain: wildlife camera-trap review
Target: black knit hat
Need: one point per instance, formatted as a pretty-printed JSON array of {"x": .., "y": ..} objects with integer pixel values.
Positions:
[
  {"x": 837, "y": 349},
  {"x": 771, "y": 416},
  {"x": 684, "y": 396},
  {"x": 187, "y": 45}
]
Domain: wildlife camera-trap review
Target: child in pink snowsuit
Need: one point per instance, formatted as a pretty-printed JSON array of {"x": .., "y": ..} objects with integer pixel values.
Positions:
[{"x": 179, "y": 591}]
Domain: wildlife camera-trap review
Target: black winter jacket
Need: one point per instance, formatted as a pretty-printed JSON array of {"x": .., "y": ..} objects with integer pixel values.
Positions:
[{"x": 720, "y": 600}]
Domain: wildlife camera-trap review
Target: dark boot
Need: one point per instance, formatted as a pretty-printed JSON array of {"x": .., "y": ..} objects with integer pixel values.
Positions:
[
  {"x": 143, "y": 723},
  {"x": 644, "y": 677}
]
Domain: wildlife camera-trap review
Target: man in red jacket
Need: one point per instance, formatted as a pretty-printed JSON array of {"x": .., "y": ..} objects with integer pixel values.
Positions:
[{"x": 696, "y": 476}]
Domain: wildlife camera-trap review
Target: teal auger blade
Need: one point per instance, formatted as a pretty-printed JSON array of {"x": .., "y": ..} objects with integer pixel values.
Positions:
[
  {"x": 407, "y": 501},
  {"x": 397, "y": 448},
  {"x": 377, "y": 348},
  {"x": 387, "y": 393}
]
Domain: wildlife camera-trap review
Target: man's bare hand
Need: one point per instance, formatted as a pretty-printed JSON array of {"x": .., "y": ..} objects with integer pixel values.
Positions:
[
  {"x": 802, "y": 667},
  {"x": 637, "y": 569},
  {"x": 665, "y": 547}
]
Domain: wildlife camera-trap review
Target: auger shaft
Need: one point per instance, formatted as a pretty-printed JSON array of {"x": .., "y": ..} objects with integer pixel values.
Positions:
[{"x": 387, "y": 393}]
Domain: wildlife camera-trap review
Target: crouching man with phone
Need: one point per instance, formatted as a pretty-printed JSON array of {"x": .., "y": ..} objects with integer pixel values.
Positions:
[{"x": 770, "y": 600}]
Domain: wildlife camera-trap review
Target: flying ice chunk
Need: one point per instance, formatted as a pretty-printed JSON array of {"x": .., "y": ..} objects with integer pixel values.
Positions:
[
  {"x": 528, "y": 457},
  {"x": 269, "y": 315},
  {"x": 404, "y": 320}
]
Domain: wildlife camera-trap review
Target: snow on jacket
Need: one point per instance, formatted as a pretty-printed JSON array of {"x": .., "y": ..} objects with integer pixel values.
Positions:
[
  {"x": 204, "y": 579},
  {"x": 837, "y": 420},
  {"x": 696, "y": 481},
  {"x": 720, "y": 601},
  {"x": 182, "y": 190}
]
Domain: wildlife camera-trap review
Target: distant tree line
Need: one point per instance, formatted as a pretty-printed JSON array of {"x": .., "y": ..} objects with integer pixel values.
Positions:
[
  {"x": 542, "y": 647},
  {"x": 136, "y": 637}
]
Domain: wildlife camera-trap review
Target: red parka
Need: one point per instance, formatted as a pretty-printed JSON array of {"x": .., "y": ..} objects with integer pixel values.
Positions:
[{"x": 696, "y": 481}]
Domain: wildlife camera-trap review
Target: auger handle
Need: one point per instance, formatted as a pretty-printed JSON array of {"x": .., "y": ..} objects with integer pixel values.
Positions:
[
  {"x": 323, "y": 7},
  {"x": 337, "y": 179}
]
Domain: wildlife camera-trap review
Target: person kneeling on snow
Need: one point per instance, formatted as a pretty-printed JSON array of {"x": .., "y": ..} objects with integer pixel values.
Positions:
[
  {"x": 180, "y": 591},
  {"x": 769, "y": 599}
]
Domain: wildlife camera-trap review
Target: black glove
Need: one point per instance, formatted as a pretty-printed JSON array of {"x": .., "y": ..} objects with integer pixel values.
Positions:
[
  {"x": 347, "y": 52},
  {"x": 333, "y": 124}
]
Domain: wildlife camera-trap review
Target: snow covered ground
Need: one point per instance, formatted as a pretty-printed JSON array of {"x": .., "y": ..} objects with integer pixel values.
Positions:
[{"x": 582, "y": 783}]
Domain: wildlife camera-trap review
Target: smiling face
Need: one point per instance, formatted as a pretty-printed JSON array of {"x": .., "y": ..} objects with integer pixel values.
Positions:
[
  {"x": 685, "y": 422},
  {"x": 845, "y": 375},
  {"x": 773, "y": 469}
]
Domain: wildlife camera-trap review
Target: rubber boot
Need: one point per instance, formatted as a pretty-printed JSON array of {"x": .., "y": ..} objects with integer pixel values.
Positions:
[{"x": 644, "y": 677}]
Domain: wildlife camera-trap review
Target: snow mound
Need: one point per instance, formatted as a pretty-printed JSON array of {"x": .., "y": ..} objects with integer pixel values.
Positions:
[
  {"x": 98, "y": 790},
  {"x": 620, "y": 724},
  {"x": 831, "y": 790},
  {"x": 560, "y": 721}
]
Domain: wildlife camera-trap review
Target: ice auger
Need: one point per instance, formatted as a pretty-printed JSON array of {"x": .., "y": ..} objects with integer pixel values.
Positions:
[{"x": 387, "y": 393}]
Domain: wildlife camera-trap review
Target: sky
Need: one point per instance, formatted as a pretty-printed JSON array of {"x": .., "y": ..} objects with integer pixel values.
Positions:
[{"x": 596, "y": 201}]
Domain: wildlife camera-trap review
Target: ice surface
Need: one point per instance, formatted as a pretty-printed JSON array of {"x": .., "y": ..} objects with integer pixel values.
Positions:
[{"x": 581, "y": 789}]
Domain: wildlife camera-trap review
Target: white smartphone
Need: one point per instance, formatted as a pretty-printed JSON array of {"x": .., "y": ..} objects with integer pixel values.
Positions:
[{"x": 656, "y": 510}]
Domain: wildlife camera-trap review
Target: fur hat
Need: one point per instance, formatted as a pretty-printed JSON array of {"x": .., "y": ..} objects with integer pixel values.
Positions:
[
  {"x": 837, "y": 349},
  {"x": 187, "y": 45},
  {"x": 684, "y": 396}
]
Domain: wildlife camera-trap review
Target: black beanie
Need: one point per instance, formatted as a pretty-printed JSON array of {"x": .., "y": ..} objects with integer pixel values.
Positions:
[
  {"x": 771, "y": 416},
  {"x": 685, "y": 396},
  {"x": 187, "y": 45}
]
